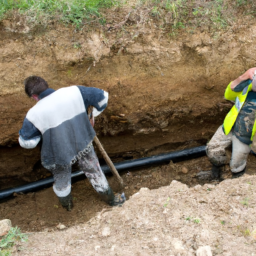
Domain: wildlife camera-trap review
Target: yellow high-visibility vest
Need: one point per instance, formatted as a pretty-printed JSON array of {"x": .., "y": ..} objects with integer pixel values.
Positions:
[{"x": 239, "y": 98}]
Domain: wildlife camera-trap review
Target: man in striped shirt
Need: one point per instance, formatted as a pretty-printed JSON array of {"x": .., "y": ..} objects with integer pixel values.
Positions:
[{"x": 61, "y": 121}]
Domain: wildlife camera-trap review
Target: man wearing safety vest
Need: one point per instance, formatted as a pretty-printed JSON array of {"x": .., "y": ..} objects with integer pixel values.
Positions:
[{"x": 238, "y": 129}]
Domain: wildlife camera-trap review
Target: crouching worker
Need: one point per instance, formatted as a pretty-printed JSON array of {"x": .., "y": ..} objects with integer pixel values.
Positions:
[
  {"x": 61, "y": 121},
  {"x": 238, "y": 128}
]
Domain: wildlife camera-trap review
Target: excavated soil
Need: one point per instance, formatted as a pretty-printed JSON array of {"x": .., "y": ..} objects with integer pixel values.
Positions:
[
  {"x": 41, "y": 210},
  {"x": 172, "y": 220}
]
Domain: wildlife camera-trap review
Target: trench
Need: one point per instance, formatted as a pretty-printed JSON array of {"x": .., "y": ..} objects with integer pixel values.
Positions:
[{"x": 41, "y": 211}]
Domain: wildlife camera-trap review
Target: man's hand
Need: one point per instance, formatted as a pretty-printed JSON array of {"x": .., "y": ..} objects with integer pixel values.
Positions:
[
  {"x": 248, "y": 74},
  {"x": 92, "y": 120},
  {"x": 90, "y": 115},
  {"x": 245, "y": 76}
]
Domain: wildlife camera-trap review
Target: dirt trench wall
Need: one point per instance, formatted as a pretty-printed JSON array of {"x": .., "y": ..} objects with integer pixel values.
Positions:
[{"x": 164, "y": 91}]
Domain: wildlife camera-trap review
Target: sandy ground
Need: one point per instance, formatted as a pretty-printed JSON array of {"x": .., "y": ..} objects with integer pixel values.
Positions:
[{"x": 172, "y": 220}]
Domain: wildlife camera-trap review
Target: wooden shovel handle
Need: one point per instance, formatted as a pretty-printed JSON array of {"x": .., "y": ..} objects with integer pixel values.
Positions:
[
  {"x": 104, "y": 153},
  {"x": 108, "y": 160}
]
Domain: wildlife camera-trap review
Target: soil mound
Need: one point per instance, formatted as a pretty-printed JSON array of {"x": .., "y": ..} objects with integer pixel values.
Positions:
[{"x": 172, "y": 220}]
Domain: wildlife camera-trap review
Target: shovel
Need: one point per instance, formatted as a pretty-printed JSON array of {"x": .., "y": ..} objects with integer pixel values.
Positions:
[{"x": 105, "y": 155}]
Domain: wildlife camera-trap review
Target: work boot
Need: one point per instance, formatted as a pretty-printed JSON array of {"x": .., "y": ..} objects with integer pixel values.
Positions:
[
  {"x": 238, "y": 174},
  {"x": 67, "y": 202},
  {"x": 118, "y": 200},
  {"x": 112, "y": 199},
  {"x": 216, "y": 171}
]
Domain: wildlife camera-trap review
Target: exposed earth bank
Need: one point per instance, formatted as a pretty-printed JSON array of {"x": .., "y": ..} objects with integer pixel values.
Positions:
[{"x": 166, "y": 91}]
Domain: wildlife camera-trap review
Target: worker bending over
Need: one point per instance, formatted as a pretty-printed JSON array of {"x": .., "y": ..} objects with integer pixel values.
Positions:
[
  {"x": 238, "y": 128},
  {"x": 60, "y": 119}
]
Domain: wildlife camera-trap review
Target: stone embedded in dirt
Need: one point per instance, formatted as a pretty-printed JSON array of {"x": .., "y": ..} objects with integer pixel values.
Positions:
[
  {"x": 5, "y": 226},
  {"x": 204, "y": 251},
  {"x": 144, "y": 190},
  {"x": 105, "y": 231},
  {"x": 178, "y": 245},
  {"x": 113, "y": 247},
  {"x": 97, "y": 247},
  {"x": 204, "y": 175},
  {"x": 197, "y": 187},
  {"x": 61, "y": 226},
  {"x": 184, "y": 170}
]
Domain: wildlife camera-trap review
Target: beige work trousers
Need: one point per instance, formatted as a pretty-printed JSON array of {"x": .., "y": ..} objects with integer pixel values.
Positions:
[{"x": 216, "y": 151}]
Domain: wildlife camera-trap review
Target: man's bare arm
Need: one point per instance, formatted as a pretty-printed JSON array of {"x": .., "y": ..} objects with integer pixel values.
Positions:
[{"x": 247, "y": 75}]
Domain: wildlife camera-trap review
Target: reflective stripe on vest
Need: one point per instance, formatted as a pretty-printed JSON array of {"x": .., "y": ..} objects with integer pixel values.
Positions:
[{"x": 233, "y": 113}]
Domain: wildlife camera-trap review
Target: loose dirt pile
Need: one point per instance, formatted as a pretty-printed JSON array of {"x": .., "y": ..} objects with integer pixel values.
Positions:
[{"x": 172, "y": 220}]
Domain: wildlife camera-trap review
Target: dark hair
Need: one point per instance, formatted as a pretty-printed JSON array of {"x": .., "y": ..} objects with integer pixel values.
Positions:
[{"x": 35, "y": 85}]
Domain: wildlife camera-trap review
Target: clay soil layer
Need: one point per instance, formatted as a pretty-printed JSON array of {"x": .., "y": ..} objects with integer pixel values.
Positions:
[{"x": 165, "y": 91}]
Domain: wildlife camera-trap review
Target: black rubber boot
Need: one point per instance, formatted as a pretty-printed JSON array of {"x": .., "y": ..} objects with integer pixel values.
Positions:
[
  {"x": 216, "y": 171},
  {"x": 238, "y": 174},
  {"x": 113, "y": 199},
  {"x": 67, "y": 202},
  {"x": 118, "y": 200}
]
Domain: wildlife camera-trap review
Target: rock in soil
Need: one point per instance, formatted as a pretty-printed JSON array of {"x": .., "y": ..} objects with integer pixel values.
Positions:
[
  {"x": 204, "y": 251},
  {"x": 5, "y": 226}
]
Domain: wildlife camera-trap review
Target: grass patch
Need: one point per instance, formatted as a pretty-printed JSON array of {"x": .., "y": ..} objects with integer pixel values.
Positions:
[
  {"x": 174, "y": 15},
  {"x": 167, "y": 201},
  {"x": 195, "y": 220},
  {"x": 67, "y": 11},
  {"x": 244, "y": 231},
  {"x": 8, "y": 241},
  {"x": 245, "y": 201},
  {"x": 194, "y": 13}
]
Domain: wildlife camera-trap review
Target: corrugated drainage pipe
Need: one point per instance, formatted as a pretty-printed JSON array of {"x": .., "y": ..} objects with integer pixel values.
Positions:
[{"x": 146, "y": 161}]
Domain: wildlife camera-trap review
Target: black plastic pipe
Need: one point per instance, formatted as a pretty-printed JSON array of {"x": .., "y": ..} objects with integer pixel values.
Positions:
[{"x": 146, "y": 161}]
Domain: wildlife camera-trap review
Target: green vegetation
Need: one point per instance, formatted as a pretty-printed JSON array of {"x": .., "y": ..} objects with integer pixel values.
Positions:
[
  {"x": 244, "y": 230},
  {"x": 245, "y": 201},
  {"x": 192, "y": 13},
  {"x": 175, "y": 14},
  {"x": 197, "y": 221},
  {"x": 8, "y": 241},
  {"x": 166, "y": 203},
  {"x": 67, "y": 11}
]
